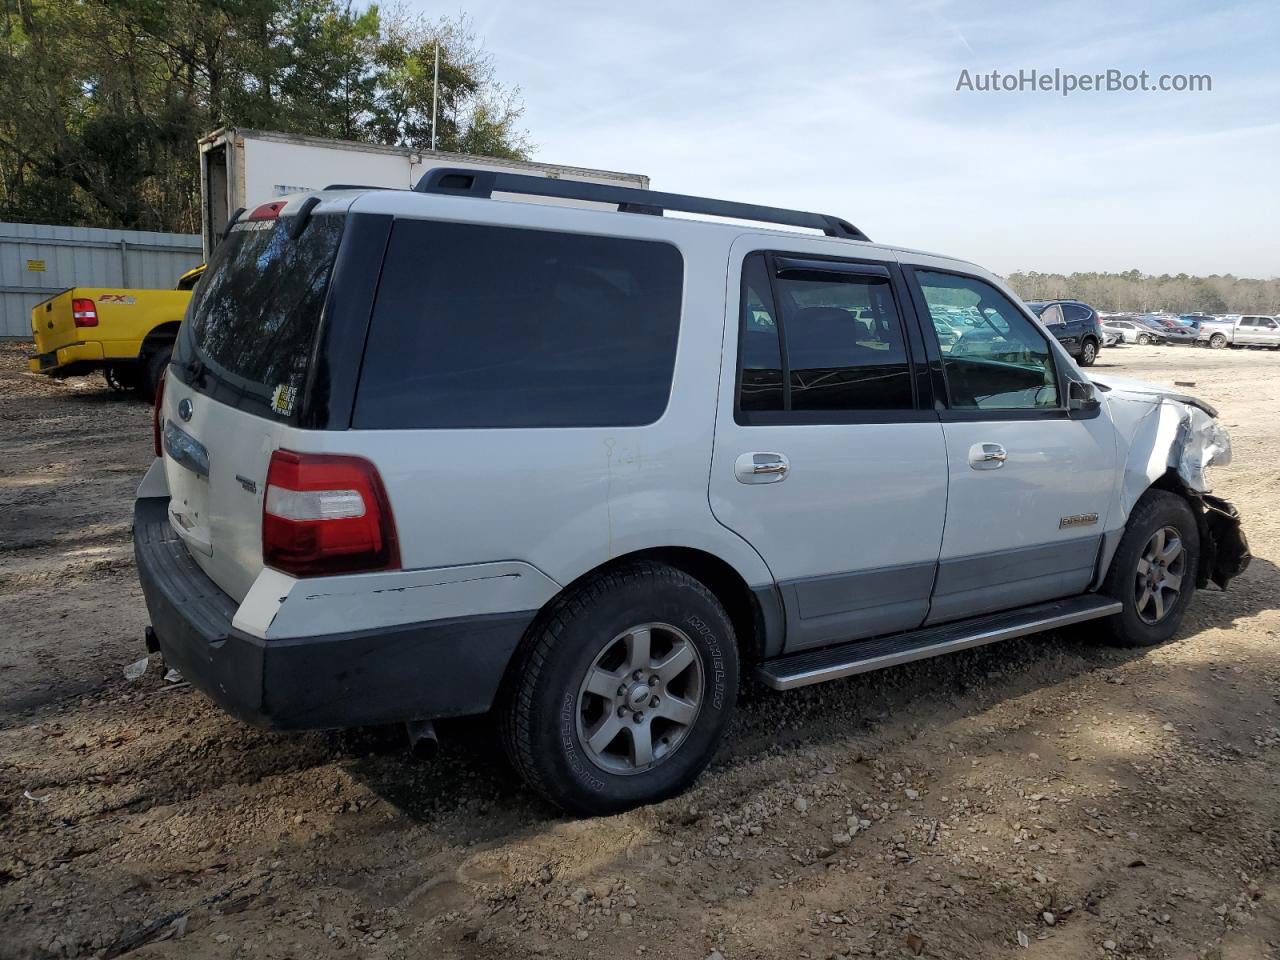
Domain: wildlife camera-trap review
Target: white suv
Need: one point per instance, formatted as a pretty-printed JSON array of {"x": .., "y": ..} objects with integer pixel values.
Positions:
[{"x": 430, "y": 453}]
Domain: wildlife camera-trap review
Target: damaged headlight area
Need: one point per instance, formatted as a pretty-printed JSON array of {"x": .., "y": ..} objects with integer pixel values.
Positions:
[{"x": 1202, "y": 443}]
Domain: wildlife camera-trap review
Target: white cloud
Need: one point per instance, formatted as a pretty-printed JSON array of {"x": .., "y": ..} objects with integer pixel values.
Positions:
[{"x": 851, "y": 108}]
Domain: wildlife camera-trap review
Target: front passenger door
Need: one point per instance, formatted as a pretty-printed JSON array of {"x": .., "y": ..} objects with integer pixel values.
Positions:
[{"x": 1029, "y": 482}]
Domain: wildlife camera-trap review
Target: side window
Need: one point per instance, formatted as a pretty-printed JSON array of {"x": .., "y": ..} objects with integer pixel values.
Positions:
[
  {"x": 843, "y": 339},
  {"x": 760, "y": 351},
  {"x": 1052, "y": 315},
  {"x": 1002, "y": 364},
  {"x": 1073, "y": 311},
  {"x": 480, "y": 326},
  {"x": 1248, "y": 322}
]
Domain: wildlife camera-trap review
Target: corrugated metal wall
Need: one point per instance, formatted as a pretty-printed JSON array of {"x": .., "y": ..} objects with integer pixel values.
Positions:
[{"x": 37, "y": 261}]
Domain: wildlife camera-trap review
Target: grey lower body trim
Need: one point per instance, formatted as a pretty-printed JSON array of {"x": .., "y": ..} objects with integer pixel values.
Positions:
[
  {"x": 969, "y": 586},
  {"x": 771, "y": 627},
  {"x": 852, "y": 606},
  {"x": 1110, "y": 543}
]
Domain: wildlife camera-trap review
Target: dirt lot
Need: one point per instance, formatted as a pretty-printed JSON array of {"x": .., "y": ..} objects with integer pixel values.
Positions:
[{"x": 1045, "y": 797}]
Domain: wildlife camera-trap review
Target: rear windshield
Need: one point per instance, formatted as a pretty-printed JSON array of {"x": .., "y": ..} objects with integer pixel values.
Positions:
[
  {"x": 253, "y": 317},
  {"x": 484, "y": 326}
]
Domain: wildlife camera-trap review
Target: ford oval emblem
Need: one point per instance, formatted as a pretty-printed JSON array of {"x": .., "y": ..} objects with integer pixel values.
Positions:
[{"x": 184, "y": 408}]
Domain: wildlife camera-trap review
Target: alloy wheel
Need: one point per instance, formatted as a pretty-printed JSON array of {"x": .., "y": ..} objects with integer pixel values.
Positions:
[
  {"x": 640, "y": 698},
  {"x": 1158, "y": 580}
]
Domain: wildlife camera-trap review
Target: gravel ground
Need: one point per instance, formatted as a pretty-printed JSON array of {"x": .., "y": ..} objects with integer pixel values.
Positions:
[{"x": 1046, "y": 797}]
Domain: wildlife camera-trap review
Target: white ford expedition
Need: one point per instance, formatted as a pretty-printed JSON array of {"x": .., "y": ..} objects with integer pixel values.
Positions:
[{"x": 430, "y": 453}]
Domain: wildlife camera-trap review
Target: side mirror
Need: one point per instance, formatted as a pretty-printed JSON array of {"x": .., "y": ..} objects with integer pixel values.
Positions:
[{"x": 1082, "y": 396}]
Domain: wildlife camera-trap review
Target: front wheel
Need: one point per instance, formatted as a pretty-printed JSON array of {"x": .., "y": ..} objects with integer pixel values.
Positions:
[
  {"x": 622, "y": 690},
  {"x": 1153, "y": 572},
  {"x": 1088, "y": 353},
  {"x": 1143, "y": 339}
]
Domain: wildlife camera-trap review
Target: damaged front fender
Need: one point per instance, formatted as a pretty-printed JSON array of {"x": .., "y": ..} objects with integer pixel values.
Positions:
[{"x": 1172, "y": 441}]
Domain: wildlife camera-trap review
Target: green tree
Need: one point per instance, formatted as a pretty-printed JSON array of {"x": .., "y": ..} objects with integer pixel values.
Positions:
[{"x": 104, "y": 100}]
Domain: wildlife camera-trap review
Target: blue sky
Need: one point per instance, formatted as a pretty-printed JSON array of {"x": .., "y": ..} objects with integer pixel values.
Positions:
[{"x": 851, "y": 108}]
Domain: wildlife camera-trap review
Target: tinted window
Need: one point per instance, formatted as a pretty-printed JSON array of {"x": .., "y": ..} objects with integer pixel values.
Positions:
[
  {"x": 1003, "y": 363},
  {"x": 760, "y": 354},
  {"x": 253, "y": 319},
  {"x": 478, "y": 326},
  {"x": 1248, "y": 322},
  {"x": 845, "y": 349},
  {"x": 1073, "y": 311}
]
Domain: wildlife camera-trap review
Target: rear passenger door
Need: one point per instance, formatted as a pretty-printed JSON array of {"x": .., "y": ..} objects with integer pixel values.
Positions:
[
  {"x": 1029, "y": 480},
  {"x": 1078, "y": 323},
  {"x": 1055, "y": 321},
  {"x": 829, "y": 457},
  {"x": 1268, "y": 332}
]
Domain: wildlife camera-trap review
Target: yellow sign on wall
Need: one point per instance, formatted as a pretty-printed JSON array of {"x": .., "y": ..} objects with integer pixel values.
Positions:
[{"x": 35, "y": 266}]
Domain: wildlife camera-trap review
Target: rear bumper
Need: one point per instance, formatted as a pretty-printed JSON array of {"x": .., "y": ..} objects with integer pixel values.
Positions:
[
  {"x": 68, "y": 361},
  {"x": 420, "y": 671}
]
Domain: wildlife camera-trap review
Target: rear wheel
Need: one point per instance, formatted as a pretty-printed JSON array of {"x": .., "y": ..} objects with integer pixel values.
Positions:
[
  {"x": 1153, "y": 572},
  {"x": 622, "y": 691},
  {"x": 1088, "y": 353},
  {"x": 122, "y": 378},
  {"x": 1217, "y": 341},
  {"x": 154, "y": 363}
]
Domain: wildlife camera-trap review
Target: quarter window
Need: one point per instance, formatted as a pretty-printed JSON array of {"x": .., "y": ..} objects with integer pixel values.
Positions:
[
  {"x": 1000, "y": 361},
  {"x": 817, "y": 338},
  {"x": 481, "y": 326}
]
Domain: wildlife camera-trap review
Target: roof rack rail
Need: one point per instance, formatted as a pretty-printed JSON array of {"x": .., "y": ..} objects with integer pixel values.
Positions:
[{"x": 485, "y": 183}]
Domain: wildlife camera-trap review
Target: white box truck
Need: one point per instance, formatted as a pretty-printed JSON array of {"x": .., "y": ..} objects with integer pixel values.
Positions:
[{"x": 240, "y": 169}]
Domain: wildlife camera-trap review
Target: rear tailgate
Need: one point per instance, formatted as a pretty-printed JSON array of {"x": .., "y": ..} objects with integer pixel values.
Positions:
[
  {"x": 239, "y": 368},
  {"x": 52, "y": 325}
]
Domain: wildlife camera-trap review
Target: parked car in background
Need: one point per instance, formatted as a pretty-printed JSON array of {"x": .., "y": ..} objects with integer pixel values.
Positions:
[
  {"x": 1131, "y": 329},
  {"x": 1076, "y": 326},
  {"x": 1252, "y": 330},
  {"x": 126, "y": 333},
  {"x": 1109, "y": 337},
  {"x": 1174, "y": 331}
]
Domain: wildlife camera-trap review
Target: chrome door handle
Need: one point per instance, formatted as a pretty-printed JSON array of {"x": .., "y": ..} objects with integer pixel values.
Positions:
[
  {"x": 987, "y": 456},
  {"x": 761, "y": 467}
]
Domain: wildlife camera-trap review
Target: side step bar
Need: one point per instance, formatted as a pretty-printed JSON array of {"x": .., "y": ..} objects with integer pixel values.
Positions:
[{"x": 863, "y": 656}]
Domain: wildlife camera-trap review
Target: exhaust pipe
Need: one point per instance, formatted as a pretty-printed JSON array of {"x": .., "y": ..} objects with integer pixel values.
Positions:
[{"x": 423, "y": 742}]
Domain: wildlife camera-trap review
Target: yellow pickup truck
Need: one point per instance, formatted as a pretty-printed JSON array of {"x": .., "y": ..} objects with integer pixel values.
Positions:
[{"x": 127, "y": 334}]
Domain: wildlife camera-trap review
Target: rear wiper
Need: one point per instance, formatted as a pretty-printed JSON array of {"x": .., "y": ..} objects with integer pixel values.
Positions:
[{"x": 196, "y": 370}]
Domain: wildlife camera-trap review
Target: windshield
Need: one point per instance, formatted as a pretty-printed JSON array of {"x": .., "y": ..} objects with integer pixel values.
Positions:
[{"x": 253, "y": 320}]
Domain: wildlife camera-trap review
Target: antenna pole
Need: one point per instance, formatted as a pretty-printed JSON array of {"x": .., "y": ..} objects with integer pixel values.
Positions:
[{"x": 435, "y": 94}]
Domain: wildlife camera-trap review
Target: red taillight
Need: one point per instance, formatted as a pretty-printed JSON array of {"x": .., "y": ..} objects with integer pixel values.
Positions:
[
  {"x": 268, "y": 211},
  {"x": 325, "y": 514},
  {"x": 84, "y": 313},
  {"x": 156, "y": 420}
]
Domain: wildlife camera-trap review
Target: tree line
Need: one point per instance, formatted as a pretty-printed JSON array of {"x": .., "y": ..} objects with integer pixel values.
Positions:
[
  {"x": 103, "y": 100},
  {"x": 1135, "y": 292}
]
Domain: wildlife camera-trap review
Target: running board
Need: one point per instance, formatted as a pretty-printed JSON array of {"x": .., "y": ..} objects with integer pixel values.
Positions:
[{"x": 863, "y": 656}]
